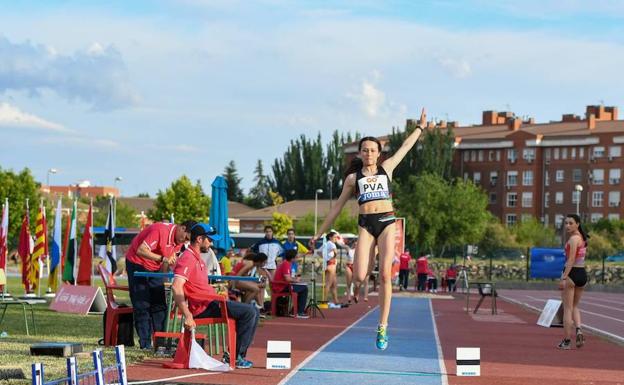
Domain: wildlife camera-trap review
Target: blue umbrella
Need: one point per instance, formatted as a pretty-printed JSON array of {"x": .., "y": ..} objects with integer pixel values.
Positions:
[{"x": 219, "y": 216}]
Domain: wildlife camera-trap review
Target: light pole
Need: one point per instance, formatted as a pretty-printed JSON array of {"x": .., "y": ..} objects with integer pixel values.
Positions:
[
  {"x": 50, "y": 171},
  {"x": 316, "y": 193},
  {"x": 330, "y": 177},
  {"x": 117, "y": 179},
  {"x": 578, "y": 188}
]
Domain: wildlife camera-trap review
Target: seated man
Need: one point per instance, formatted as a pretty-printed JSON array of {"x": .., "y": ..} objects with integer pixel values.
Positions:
[
  {"x": 284, "y": 277},
  {"x": 191, "y": 276}
]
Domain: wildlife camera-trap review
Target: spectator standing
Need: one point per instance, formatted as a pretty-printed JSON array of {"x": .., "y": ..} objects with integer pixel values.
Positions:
[
  {"x": 422, "y": 266},
  {"x": 451, "y": 278},
  {"x": 404, "y": 268},
  {"x": 269, "y": 246},
  {"x": 291, "y": 243}
]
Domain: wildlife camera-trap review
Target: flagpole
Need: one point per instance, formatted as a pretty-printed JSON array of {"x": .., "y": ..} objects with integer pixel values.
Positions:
[{"x": 27, "y": 289}]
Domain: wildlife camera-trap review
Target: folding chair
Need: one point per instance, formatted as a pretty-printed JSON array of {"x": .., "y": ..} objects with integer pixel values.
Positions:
[
  {"x": 113, "y": 309},
  {"x": 290, "y": 294}
]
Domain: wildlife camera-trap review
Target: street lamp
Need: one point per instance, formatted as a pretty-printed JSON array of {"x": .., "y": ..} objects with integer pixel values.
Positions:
[
  {"x": 578, "y": 188},
  {"x": 50, "y": 171},
  {"x": 330, "y": 177},
  {"x": 117, "y": 179},
  {"x": 316, "y": 193}
]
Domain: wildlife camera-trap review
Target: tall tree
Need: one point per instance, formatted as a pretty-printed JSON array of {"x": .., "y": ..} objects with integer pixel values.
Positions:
[
  {"x": 306, "y": 167},
  {"x": 433, "y": 154},
  {"x": 259, "y": 194},
  {"x": 182, "y": 199},
  {"x": 235, "y": 193},
  {"x": 18, "y": 187}
]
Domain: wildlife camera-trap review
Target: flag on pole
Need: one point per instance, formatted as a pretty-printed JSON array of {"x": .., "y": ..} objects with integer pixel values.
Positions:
[
  {"x": 55, "y": 255},
  {"x": 39, "y": 251},
  {"x": 69, "y": 270},
  {"x": 108, "y": 251},
  {"x": 4, "y": 238},
  {"x": 86, "y": 252},
  {"x": 23, "y": 249}
]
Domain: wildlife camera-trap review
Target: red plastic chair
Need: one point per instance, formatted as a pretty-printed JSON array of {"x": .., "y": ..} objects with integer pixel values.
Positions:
[
  {"x": 113, "y": 309},
  {"x": 289, "y": 294},
  {"x": 182, "y": 355}
]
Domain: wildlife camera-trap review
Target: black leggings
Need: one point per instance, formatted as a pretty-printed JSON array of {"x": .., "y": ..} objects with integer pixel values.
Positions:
[{"x": 375, "y": 224}]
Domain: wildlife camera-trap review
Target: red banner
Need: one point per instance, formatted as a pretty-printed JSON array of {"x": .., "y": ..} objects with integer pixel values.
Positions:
[{"x": 399, "y": 245}]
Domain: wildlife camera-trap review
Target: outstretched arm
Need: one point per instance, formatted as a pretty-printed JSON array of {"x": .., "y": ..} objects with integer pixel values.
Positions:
[
  {"x": 390, "y": 164},
  {"x": 347, "y": 192}
]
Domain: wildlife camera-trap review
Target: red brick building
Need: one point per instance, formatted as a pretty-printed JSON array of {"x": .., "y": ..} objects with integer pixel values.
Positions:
[{"x": 543, "y": 170}]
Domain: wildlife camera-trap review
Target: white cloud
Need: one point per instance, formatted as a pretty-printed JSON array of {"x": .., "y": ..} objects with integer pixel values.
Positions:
[
  {"x": 96, "y": 76},
  {"x": 372, "y": 100},
  {"x": 166, "y": 148},
  {"x": 459, "y": 68},
  {"x": 11, "y": 116},
  {"x": 83, "y": 141}
]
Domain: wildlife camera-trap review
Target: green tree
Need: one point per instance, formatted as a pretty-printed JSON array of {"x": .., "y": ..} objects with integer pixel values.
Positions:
[
  {"x": 433, "y": 154},
  {"x": 235, "y": 193},
  {"x": 126, "y": 215},
  {"x": 440, "y": 214},
  {"x": 18, "y": 187},
  {"x": 496, "y": 236},
  {"x": 345, "y": 222},
  {"x": 281, "y": 223},
  {"x": 259, "y": 194},
  {"x": 599, "y": 245},
  {"x": 531, "y": 233},
  {"x": 182, "y": 199},
  {"x": 305, "y": 224},
  {"x": 143, "y": 195}
]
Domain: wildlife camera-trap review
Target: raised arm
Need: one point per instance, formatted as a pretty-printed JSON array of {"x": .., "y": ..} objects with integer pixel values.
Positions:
[
  {"x": 390, "y": 164},
  {"x": 347, "y": 192}
]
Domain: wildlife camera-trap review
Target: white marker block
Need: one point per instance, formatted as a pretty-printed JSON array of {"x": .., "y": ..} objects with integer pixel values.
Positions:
[
  {"x": 278, "y": 355},
  {"x": 468, "y": 361}
]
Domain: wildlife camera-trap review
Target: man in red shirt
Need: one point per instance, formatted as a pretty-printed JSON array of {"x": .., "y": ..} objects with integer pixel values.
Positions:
[
  {"x": 422, "y": 266},
  {"x": 285, "y": 276},
  {"x": 404, "y": 261},
  {"x": 153, "y": 249},
  {"x": 191, "y": 276}
]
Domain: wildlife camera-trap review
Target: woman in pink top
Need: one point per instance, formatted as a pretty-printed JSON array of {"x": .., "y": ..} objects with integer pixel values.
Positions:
[{"x": 573, "y": 280}]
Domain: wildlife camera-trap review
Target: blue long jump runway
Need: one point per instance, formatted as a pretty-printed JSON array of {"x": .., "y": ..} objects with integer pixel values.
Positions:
[{"x": 412, "y": 356}]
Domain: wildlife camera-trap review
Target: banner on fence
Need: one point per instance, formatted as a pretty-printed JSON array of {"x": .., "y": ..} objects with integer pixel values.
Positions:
[
  {"x": 547, "y": 262},
  {"x": 79, "y": 300}
]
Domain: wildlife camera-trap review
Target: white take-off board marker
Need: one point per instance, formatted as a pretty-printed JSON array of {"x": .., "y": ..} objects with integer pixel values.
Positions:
[
  {"x": 468, "y": 361},
  {"x": 278, "y": 355}
]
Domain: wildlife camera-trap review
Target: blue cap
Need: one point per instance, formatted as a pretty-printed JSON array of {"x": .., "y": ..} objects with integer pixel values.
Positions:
[{"x": 205, "y": 229}]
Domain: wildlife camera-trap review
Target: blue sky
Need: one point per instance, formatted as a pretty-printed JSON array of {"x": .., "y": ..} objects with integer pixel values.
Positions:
[{"x": 151, "y": 90}]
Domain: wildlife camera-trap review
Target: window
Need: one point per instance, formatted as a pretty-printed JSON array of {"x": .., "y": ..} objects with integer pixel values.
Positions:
[
  {"x": 614, "y": 198},
  {"x": 527, "y": 199},
  {"x": 546, "y": 199},
  {"x": 466, "y": 155},
  {"x": 512, "y": 155},
  {"x": 581, "y": 152},
  {"x": 558, "y": 220},
  {"x": 597, "y": 198},
  {"x": 577, "y": 175},
  {"x": 527, "y": 178},
  {"x": 511, "y": 219},
  {"x": 465, "y": 176},
  {"x": 595, "y": 217},
  {"x": 528, "y": 154},
  {"x": 480, "y": 155},
  {"x": 614, "y": 176},
  {"x": 547, "y": 153},
  {"x": 546, "y": 178},
  {"x": 498, "y": 155},
  {"x": 526, "y": 217},
  {"x": 492, "y": 198},
  {"x": 559, "y": 176},
  {"x": 559, "y": 198},
  {"x": 512, "y": 178},
  {"x": 573, "y": 153},
  {"x": 473, "y": 156},
  {"x": 614, "y": 217},
  {"x": 493, "y": 178},
  {"x": 491, "y": 156},
  {"x": 556, "y": 153},
  {"x": 546, "y": 220},
  {"x": 599, "y": 152},
  {"x": 615, "y": 151},
  {"x": 598, "y": 176},
  {"x": 576, "y": 197},
  {"x": 512, "y": 199},
  {"x": 476, "y": 177},
  {"x": 564, "y": 153}
]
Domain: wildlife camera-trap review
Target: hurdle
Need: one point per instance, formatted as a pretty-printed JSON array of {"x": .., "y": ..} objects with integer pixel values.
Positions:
[{"x": 100, "y": 375}]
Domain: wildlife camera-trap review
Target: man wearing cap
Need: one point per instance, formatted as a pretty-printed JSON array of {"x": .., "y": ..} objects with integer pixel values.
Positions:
[
  {"x": 153, "y": 249},
  {"x": 191, "y": 277}
]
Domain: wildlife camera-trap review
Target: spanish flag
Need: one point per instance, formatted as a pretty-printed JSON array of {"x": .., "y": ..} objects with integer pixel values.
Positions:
[{"x": 38, "y": 254}]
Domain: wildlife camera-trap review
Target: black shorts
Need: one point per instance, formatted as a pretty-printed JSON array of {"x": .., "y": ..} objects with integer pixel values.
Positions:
[
  {"x": 578, "y": 275},
  {"x": 375, "y": 224}
]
